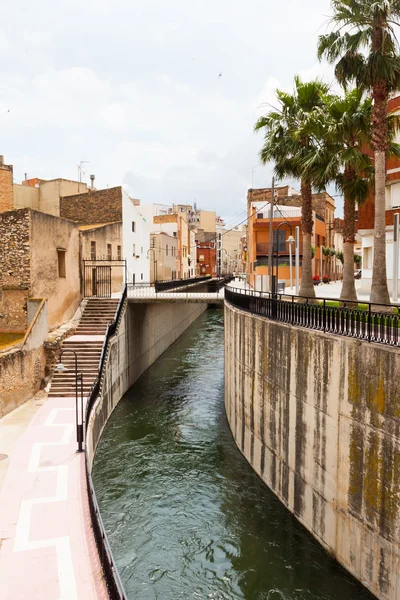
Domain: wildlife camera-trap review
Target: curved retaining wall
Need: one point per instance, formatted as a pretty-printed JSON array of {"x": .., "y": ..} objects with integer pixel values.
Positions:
[
  {"x": 318, "y": 419},
  {"x": 143, "y": 333}
]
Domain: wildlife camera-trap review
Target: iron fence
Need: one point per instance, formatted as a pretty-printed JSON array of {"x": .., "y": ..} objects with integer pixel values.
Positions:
[
  {"x": 364, "y": 321},
  {"x": 114, "y": 584},
  {"x": 170, "y": 284}
]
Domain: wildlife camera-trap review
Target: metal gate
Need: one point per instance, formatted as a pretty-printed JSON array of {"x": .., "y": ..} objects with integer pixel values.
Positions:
[{"x": 98, "y": 277}]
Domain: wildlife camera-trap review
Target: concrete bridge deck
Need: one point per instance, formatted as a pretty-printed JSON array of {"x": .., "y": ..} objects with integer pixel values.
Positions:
[{"x": 148, "y": 294}]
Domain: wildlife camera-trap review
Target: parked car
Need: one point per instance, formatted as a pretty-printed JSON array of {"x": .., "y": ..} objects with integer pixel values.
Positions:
[{"x": 357, "y": 274}]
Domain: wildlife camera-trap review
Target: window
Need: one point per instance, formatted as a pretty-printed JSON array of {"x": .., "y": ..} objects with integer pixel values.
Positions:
[
  {"x": 133, "y": 249},
  {"x": 141, "y": 250},
  {"x": 133, "y": 226},
  {"x": 109, "y": 252},
  {"x": 119, "y": 254},
  {"x": 201, "y": 258},
  {"x": 280, "y": 241},
  {"x": 141, "y": 276},
  {"x": 166, "y": 250},
  {"x": 394, "y": 195},
  {"x": 92, "y": 250},
  {"x": 260, "y": 215},
  {"x": 61, "y": 262}
]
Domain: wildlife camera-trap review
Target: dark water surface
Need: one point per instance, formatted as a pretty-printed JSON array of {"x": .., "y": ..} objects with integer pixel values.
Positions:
[{"x": 186, "y": 516}]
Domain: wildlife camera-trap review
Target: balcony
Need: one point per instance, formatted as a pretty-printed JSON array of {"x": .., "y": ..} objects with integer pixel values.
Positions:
[{"x": 262, "y": 249}]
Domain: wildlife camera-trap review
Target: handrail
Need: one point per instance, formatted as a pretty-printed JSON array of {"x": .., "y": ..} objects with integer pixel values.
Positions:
[
  {"x": 35, "y": 318},
  {"x": 369, "y": 324},
  {"x": 115, "y": 586}
]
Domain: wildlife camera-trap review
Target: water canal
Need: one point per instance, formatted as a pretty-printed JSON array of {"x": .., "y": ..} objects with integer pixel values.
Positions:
[{"x": 186, "y": 516}]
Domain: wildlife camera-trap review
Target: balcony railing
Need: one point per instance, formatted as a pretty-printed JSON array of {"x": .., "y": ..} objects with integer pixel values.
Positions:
[{"x": 263, "y": 248}]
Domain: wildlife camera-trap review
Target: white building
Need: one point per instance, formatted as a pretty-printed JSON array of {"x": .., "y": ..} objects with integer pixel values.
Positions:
[{"x": 135, "y": 241}]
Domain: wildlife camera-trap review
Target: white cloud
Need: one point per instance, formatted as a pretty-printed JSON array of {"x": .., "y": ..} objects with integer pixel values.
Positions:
[{"x": 134, "y": 87}]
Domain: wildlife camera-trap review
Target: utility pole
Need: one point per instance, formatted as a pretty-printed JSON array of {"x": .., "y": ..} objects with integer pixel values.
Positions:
[{"x": 271, "y": 236}]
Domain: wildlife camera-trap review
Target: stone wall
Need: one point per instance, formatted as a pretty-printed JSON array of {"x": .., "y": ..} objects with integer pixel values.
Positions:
[
  {"x": 144, "y": 333},
  {"x": 21, "y": 376},
  {"x": 15, "y": 272},
  {"x": 318, "y": 418},
  {"x": 22, "y": 370},
  {"x": 94, "y": 207},
  {"x": 15, "y": 249},
  {"x": 6, "y": 186}
]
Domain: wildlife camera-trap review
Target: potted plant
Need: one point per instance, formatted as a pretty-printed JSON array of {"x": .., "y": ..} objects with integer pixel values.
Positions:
[
  {"x": 326, "y": 279},
  {"x": 316, "y": 280}
]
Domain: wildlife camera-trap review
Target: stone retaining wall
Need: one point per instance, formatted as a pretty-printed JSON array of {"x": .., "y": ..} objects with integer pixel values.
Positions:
[
  {"x": 145, "y": 331},
  {"x": 318, "y": 418}
]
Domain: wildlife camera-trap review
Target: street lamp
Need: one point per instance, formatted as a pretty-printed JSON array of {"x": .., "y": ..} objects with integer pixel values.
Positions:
[
  {"x": 154, "y": 263},
  {"x": 290, "y": 241},
  {"x": 78, "y": 377}
]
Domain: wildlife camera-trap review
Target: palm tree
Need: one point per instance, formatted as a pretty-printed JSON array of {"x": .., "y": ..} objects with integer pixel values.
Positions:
[
  {"x": 342, "y": 159},
  {"x": 365, "y": 52},
  {"x": 289, "y": 137}
]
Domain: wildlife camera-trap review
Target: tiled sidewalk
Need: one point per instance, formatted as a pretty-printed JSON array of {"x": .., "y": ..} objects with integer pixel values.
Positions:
[{"x": 47, "y": 548}]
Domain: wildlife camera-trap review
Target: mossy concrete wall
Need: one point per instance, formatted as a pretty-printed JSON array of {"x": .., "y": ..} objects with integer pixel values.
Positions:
[
  {"x": 318, "y": 418},
  {"x": 144, "y": 332}
]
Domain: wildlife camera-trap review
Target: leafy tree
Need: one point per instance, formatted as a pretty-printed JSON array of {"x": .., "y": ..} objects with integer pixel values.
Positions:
[
  {"x": 289, "y": 137},
  {"x": 357, "y": 259},
  {"x": 364, "y": 48}
]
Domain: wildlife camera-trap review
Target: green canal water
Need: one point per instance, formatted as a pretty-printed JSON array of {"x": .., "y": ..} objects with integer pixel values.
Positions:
[{"x": 186, "y": 516}]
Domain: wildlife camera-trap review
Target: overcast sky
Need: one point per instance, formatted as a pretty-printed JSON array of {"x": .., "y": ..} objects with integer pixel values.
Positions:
[{"x": 133, "y": 86}]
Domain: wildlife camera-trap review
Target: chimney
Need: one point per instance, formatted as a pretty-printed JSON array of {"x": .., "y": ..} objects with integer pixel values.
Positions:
[
  {"x": 26, "y": 176},
  {"x": 92, "y": 182},
  {"x": 1, "y": 160}
]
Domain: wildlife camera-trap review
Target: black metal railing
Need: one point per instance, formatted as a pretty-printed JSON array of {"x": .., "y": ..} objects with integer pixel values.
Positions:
[
  {"x": 170, "y": 284},
  {"x": 114, "y": 584},
  {"x": 364, "y": 321}
]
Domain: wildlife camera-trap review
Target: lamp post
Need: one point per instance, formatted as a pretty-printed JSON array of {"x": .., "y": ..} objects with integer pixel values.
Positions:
[
  {"x": 154, "y": 263},
  {"x": 290, "y": 240},
  {"x": 78, "y": 377},
  {"x": 297, "y": 260}
]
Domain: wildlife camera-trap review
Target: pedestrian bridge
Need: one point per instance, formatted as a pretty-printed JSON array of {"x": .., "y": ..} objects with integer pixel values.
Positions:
[{"x": 149, "y": 294}]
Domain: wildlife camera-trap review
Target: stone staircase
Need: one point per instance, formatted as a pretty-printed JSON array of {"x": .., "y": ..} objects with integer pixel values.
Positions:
[{"x": 87, "y": 343}]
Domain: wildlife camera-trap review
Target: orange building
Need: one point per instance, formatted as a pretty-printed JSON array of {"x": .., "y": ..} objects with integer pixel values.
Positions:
[{"x": 286, "y": 217}]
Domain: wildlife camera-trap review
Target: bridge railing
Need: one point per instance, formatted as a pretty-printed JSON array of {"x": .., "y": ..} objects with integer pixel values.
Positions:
[
  {"x": 361, "y": 320},
  {"x": 185, "y": 290},
  {"x": 115, "y": 586}
]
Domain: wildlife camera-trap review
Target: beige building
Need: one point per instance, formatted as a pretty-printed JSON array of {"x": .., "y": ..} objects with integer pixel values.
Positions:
[
  {"x": 163, "y": 256},
  {"x": 230, "y": 250},
  {"x": 38, "y": 194},
  {"x": 39, "y": 255},
  {"x": 101, "y": 243}
]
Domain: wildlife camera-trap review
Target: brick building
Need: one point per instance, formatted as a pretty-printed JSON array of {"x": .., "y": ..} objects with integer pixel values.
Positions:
[{"x": 206, "y": 259}]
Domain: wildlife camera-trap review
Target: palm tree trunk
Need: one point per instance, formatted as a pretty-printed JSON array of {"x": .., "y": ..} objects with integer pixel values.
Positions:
[
  {"x": 306, "y": 286},
  {"x": 348, "y": 287},
  {"x": 379, "y": 288}
]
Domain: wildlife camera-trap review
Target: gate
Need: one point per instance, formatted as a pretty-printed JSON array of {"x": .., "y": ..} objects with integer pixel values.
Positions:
[{"x": 99, "y": 276}]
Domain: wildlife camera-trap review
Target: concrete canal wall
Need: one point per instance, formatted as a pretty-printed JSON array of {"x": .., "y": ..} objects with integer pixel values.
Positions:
[
  {"x": 318, "y": 418},
  {"x": 144, "y": 332}
]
